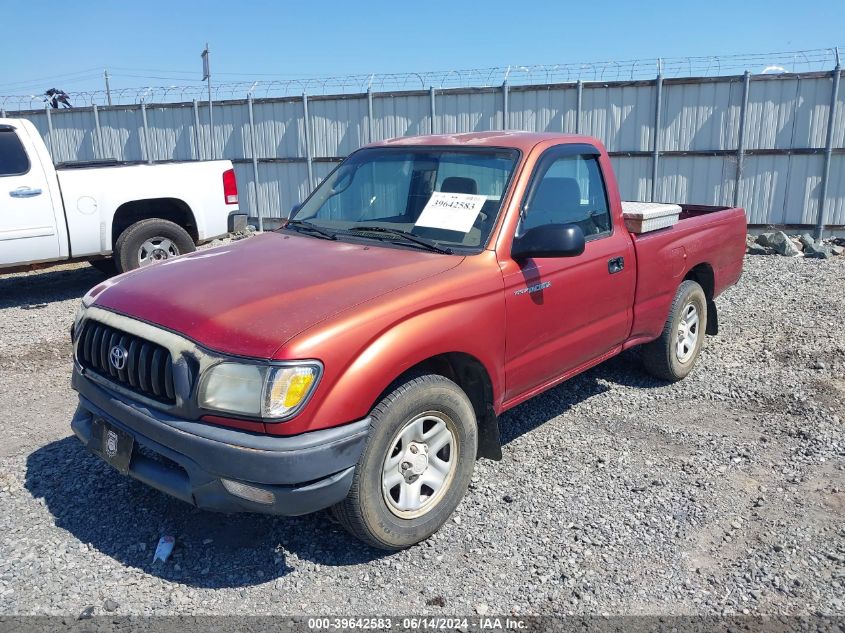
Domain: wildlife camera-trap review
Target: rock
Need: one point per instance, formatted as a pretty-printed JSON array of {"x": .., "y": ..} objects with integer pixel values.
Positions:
[
  {"x": 110, "y": 605},
  {"x": 765, "y": 239},
  {"x": 507, "y": 499},
  {"x": 783, "y": 245},
  {"x": 756, "y": 249},
  {"x": 248, "y": 231},
  {"x": 817, "y": 251},
  {"x": 806, "y": 240},
  {"x": 482, "y": 609},
  {"x": 87, "y": 613},
  {"x": 837, "y": 250}
]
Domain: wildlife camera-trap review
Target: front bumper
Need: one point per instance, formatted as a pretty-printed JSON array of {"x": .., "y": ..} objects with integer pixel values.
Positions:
[{"x": 187, "y": 459}]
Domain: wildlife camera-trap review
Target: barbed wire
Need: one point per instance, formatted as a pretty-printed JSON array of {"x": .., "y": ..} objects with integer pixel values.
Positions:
[{"x": 607, "y": 71}]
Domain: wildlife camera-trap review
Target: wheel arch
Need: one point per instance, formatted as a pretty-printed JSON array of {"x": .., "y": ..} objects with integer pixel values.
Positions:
[
  {"x": 173, "y": 209},
  {"x": 470, "y": 374},
  {"x": 704, "y": 276}
]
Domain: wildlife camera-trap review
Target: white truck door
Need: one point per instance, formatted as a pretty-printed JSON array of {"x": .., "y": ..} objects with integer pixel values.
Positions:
[{"x": 28, "y": 231}]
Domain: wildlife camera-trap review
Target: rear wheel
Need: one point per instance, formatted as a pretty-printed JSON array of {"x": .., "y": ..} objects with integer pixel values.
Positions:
[
  {"x": 151, "y": 241},
  {"x": 672, "y": 356},
  {"x": 416, "y": 466}
]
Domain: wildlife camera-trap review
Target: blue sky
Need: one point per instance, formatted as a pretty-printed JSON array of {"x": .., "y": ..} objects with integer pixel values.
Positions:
[{"x": 150, "y": 42}]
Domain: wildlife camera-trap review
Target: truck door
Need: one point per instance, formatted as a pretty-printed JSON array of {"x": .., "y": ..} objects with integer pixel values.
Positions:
[
  {"x": 564, "y": 312},
  {"x": 28, "y": 231}
]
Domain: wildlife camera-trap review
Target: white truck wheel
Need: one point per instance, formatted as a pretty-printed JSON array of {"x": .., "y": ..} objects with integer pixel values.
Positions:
[{"x": 150, "y": 241}]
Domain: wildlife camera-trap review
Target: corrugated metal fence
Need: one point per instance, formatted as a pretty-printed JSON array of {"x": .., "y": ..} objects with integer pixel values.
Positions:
[{"x": 763, "y": 142}]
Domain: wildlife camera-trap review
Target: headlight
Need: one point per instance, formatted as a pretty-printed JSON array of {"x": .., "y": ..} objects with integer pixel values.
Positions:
[{"x": 266, "y": 391}]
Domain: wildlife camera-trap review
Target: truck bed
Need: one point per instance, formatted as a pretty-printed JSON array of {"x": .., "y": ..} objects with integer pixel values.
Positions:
[
  {"x": 697, "y": 210},
  {"x": 113, "y": 162},
  {"x": 709, "y": 241}
]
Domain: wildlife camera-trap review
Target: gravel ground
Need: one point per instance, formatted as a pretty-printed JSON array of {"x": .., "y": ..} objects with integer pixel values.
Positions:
[{"x": 617, "y": 494}]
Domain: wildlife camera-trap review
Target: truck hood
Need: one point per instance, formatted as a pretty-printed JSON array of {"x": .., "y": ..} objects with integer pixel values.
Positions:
[{"x": 250, "y": 297}]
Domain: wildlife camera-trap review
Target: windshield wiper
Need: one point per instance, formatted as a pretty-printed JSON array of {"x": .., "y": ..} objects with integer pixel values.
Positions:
[
  {"x": 316, "y": 231},
  {"x": 405, "y": 235}
]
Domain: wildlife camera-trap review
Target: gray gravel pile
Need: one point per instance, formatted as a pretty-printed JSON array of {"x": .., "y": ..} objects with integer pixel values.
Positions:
[{"x": 617, "y": 494}]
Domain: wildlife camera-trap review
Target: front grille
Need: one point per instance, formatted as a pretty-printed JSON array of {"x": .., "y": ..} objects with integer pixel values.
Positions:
[{"x": 147, "y": 369}]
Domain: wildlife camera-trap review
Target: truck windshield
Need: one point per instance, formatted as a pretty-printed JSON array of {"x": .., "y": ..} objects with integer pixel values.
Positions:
[{"x": 449, "y": 198}]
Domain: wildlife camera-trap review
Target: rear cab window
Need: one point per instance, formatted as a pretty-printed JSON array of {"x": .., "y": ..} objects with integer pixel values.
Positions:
[{"x": 13, "y": 158}]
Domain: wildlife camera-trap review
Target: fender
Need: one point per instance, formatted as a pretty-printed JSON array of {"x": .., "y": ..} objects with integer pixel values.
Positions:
[{"x": 364, "y": 352}]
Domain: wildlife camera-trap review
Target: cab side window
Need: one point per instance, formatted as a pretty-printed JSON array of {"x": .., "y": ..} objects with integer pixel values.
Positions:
[
  {"x": 571, "y": 191},
  {"x": 13, "y": 158}
]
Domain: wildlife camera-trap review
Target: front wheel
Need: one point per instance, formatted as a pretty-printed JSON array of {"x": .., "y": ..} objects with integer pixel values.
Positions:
[
  {"x": 151, "y": 241},
  {"x": 416, "y": 466},
  {"x": 673, "y": 355}
]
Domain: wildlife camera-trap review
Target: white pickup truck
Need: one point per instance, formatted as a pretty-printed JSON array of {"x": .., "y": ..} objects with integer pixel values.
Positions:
[{"x": 117, "y": 216}]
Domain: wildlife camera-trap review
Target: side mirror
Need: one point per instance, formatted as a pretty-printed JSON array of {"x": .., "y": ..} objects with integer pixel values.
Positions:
[
  {"x": 549, "y": 240},
  {"x": 294, "y": 209}
]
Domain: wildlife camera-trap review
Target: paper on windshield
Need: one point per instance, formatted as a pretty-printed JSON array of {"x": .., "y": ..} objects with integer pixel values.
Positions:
[{"x": 451, "y": 211}]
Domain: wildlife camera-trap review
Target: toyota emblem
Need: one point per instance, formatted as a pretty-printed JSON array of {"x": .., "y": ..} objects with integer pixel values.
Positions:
[{"x": 117, "y": 357}]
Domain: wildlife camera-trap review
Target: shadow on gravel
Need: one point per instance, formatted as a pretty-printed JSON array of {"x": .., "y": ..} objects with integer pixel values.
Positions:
[
  {"x": 37, "y": 289},
  {"x": 124, "y": 519},
  {"x": 624, "y": 369}
]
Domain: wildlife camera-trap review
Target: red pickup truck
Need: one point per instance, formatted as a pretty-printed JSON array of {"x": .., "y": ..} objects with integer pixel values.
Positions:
[{"x": 358, "y": 358}]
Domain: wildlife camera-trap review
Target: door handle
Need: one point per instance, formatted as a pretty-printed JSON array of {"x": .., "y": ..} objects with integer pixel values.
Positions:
[
  {"x": 25, "y": 192},
  {"x": 615, "y": 265}
]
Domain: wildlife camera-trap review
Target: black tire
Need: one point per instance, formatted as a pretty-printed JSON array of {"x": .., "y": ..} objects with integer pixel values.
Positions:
[
  {"x": 662, "y": 357},
  {"x": 105, "y": 266},
  {"x": 365, "y": 512},
  {"x": 127, "y": 248}
]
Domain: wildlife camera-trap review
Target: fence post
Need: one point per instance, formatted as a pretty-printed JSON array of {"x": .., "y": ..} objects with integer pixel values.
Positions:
[
  {"x": 53, "y": 149},
  {"x": 145, "y": 147},
  {"x": 740, "y": 149},
  {"x": 505, "y": 105},
  {"x": 308, "y": 158},
  {"x": 579, "y": 101},
  {"x": 656, "y": 151},
  {"x": 254, "y": 164},
  {"x": 432, "y": 96},
  {"x": 828, "y": 149},
  {"x": 197, "y": 146},
  {"x": 98, "y": 137},
  {"x": 369, "y": 114},
  {"x": 108, "y": 88},
  {"x": 211, "y": 140},
  {"x": 2, "y": 113}
]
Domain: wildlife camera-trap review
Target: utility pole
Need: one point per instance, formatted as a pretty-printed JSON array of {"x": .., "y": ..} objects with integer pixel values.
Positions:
[
  {"x": 108, "y": 90},
  {"x": 206, "y": 75}
]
